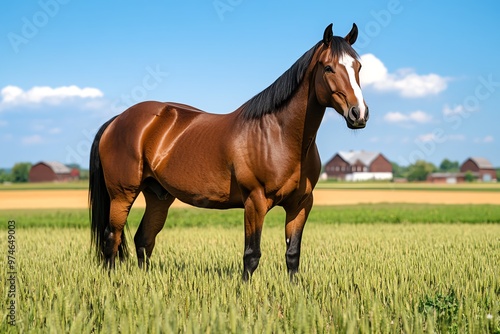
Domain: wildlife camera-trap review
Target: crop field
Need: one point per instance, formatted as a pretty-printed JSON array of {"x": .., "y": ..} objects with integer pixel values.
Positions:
[
  {"x": 74, "y": 195},
  {"x": 412, "y": 268}
]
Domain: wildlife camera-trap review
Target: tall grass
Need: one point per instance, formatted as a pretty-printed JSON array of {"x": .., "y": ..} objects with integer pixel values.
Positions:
[
  {"x": 387, "y": 278},
  {"x": 341, "y": 214}
]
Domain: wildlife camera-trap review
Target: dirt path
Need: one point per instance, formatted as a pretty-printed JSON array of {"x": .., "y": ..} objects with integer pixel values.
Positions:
[{"x": 52, "y": 199}]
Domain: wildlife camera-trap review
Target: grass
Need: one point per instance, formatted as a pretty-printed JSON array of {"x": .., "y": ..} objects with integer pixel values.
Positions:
[
  {"x": 354, "y": 278},
  {"x": 84, "y": 184},
  {"x": 388, "y": 268},
  {"x": 333, "y": 215}
]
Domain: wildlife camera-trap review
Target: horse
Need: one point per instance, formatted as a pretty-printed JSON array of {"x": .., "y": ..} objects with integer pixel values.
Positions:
[{"x": 262, "y": 155}]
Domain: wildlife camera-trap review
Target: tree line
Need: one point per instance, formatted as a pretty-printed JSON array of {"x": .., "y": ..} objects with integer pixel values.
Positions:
[
  {"x": 419, "y": 170},
  {"x": 20, "y": 172}
]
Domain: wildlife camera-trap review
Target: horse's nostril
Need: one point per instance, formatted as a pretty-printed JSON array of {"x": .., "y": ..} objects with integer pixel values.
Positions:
[
  {"x": 367, "y": 114},
  {"x": 354, "y": 113}
]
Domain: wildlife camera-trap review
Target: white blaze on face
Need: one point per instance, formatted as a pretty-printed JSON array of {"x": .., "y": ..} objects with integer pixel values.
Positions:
[{"x": 348, "y": 63}]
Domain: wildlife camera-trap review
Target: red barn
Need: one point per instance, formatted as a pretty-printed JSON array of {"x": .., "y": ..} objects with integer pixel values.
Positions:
[
  {"x": 481, "y": 168},
  {"x": 52, "y": 171}
]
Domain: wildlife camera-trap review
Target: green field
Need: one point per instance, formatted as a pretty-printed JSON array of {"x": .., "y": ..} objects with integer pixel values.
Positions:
[
  {"x": 382, "y": 185},
  {"x": 392, "y": 213},
  {"x": 370, "y": 268},
  {"x": 45, "y": 186}
]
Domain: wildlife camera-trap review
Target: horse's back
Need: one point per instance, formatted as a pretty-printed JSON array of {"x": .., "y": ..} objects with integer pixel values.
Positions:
[{"x": 186, "y": 149}]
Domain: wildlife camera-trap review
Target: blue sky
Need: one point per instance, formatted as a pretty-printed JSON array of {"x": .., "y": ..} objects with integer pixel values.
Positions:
[{"x": 430, "y": 76}]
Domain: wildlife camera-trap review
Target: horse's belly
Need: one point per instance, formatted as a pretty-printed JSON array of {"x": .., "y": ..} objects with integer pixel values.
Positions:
[
  {"x": 206, "y": 203},
  {"x": 207, "y": 197},
  {"x": 200, "y": 184}
]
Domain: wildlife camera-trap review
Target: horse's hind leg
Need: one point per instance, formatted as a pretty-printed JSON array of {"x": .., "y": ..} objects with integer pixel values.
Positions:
[
  {"x": 119, "y": 210},
  {"x": 158, "y": 200}
]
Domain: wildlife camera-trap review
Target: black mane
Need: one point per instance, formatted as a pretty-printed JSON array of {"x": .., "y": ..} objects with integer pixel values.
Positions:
[{"x": 280, "y": 91}]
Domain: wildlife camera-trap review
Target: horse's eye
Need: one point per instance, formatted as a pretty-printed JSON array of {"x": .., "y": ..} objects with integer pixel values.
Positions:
[{"x": 329, "y": 69}]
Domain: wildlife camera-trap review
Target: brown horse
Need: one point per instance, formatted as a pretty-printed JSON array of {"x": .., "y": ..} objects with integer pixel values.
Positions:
[{"x": 261, "y": 155}]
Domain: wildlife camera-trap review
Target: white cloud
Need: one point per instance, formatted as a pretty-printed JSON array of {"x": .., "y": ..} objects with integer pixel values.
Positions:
[
  {"x": 456, "y": 110},
  {"x": 413, "y": 117},
  {"x": 15, "y": 96},
  {"x": 404, "y": 81},
  {"x": 435, "y": 137},
  {"x": 32, "y": 140},
  {"x": 428, "y": 137},
  {"x": 420, "y": 117},
  {"x": 484, "y": 140},
  {"x": 395, "y": 117},
  {"x": 55, "y": 131}
]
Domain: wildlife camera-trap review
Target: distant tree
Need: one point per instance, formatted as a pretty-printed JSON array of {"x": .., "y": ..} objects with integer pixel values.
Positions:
[
  {"x": 84, "y": 174},
  {"x": 420, "y": 170},
  {"x": 4, "y": 176},
  {"x": 20, "y": 172},
  {"x": 398, "y": 171},
  {"x": 498, "y": 174},
  {"x": 469, "y": 177},
  {"x": 72, "y": 166},
  {"x": 449, "y": 166}
]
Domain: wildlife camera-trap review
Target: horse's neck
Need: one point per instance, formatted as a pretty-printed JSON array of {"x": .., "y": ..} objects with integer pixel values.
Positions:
[{"x": 302, "y": 116}]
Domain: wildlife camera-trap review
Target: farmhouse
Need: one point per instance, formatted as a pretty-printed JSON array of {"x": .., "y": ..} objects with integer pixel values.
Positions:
[
  {"x": 359, "y": 166},
  {"x": 52, "y": 171}
]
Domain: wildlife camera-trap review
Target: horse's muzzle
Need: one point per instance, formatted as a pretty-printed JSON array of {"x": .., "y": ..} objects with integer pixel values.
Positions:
[{"x": 354, "y": 118}]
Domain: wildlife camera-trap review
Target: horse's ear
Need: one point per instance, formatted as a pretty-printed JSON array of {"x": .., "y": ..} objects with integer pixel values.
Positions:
[
  {"x": 352, "y": 35},
  {"x": 328, "y": 35}
]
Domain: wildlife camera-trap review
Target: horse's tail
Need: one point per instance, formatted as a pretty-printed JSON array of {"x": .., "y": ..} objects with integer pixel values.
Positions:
[{"x": 99, "y": 201}]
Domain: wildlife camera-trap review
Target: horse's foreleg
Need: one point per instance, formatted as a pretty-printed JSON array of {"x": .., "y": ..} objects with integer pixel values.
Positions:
[
  {"x": 151, "y": 224},
  {"x": 296, "y": 217},
  {"x": 255, "y": 211}
]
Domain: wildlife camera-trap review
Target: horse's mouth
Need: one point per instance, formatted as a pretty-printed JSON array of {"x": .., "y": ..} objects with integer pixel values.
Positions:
[{"x": 355, "y": 125}]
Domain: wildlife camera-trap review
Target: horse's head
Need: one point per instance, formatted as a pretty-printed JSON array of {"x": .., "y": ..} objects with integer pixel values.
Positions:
[{"x": 337, "y": 78}]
